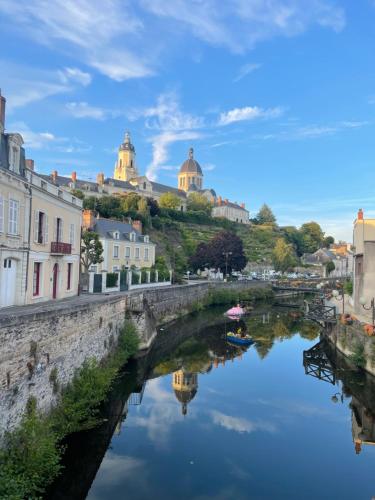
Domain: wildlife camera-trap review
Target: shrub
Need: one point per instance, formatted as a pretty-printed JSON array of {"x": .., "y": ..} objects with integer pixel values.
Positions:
[{"x": 358, "y": 356}]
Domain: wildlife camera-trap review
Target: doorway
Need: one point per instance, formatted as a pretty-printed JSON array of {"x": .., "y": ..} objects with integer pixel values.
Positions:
[{"x": 8, "y": 282}]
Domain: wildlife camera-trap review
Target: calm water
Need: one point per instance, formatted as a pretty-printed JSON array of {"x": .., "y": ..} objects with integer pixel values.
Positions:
[{"x": 200, "y": 419}]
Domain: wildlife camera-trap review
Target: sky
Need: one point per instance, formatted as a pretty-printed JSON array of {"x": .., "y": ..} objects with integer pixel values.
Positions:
[{"x": 277, "y": 97}]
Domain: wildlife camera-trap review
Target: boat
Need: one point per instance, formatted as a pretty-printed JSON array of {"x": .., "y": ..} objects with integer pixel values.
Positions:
[
  {"x": 235, "y": 312},
  {"x": 237, "y": 339}
]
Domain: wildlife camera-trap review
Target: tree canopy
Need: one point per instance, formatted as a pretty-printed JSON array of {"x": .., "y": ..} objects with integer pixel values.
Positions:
[
  {"x": 283, "y": 256},
  {"x": 265, "y": 216},
  {"x": 224, "y": 249},
  {"x": 169, "y": 200},
  {"x": 91, "y": 250},
  {"x": 198, "y": 202}
]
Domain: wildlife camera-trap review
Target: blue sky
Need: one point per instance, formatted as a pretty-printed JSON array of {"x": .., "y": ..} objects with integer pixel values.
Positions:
[{"x": 277, "y": 97}]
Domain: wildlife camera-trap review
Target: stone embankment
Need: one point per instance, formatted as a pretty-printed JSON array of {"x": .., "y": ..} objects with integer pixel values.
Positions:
[{"x": 42, "y": 346}]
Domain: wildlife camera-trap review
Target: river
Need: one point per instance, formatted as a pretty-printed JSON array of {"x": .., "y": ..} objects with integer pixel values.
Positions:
[{"x": 198, "y": 418}]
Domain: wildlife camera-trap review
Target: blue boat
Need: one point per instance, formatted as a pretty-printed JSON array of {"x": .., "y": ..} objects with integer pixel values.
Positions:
[{"x": 231, "y": 337}]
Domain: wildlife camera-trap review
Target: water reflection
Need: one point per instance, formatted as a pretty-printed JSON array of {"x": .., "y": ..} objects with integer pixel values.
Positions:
[
  {"x": 357, "y": 388},
  {"x": 201, "y": 418}
]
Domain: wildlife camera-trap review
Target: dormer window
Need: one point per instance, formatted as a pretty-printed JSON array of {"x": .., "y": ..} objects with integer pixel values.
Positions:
[
  {"x": 144, "y": 186},
  {"x": 116, "y": 235},
  {"x": 132, "y": 236},
  {"x": 146, "y": 239}
]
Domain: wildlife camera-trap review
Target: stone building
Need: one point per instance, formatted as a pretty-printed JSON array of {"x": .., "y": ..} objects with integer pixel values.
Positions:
[
  {"x": 231, "y": 211},
  {"x": 190, "y": 177},
  {"x": 124, "y": 245},
  {"x": 36, "y": 219},
  {"x": 364, "y": 261},
  {"x": 185, "y": 386},
  {"x": 125, "y": 167}
]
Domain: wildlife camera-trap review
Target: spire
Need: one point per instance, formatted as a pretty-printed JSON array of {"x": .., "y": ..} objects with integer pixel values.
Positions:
[
  {"x": 127, "y": 137},
  {"x": 191, "y": 154}
]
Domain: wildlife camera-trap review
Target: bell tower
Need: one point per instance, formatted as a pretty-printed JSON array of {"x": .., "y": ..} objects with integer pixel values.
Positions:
[{"x": 125, "y": 167}]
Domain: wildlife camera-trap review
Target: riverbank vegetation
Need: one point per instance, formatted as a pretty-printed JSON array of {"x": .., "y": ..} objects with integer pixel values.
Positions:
[
  {"x": 224, "y": 296},
  {"x": 30, "y": 457}
]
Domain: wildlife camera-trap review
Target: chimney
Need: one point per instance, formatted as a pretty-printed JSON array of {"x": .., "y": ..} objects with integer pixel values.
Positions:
[
  {"x": 74, "y": 176},
  {"x": 219, "y": 200},
  {"x": 226, "y": 201},
  {"x": 360, "y": 214},
  {"x": 88, "y": 219},
  {"x": 2, "y": 112},
  {"x": 137, "y": 225},
  {"x": 29, "y": 164},
  {"x": 54, "y": 176},
  {"x": 243, "y": 205},
  {"x": 100, "y": 179}
]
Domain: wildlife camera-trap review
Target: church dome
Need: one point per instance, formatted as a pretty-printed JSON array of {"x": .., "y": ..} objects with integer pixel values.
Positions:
[
  {"x": 184, "y": 396},
  {"x": 190, "y": 165},
  {"x": 127, "y": 145}
]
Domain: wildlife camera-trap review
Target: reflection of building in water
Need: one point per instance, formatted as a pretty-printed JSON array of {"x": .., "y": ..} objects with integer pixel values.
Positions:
[
  {"x": 185, "y": 385},
  {"x": 363, "y": 425}
]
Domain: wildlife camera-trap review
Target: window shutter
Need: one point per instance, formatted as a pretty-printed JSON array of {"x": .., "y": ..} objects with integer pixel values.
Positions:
[
  {"x": 61, "y": 230},
  {"x": 1, "y": 214},
  {"x": 45, "y": 228},
  {"x": 72, "y": 234},
  {"x": 36, "y": 225}
]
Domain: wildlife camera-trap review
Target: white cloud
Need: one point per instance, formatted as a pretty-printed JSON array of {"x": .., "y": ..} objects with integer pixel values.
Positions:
[
  {"x": 35, "y": 140},
  {"x": 115, "y": 468},
  {"x": 241, "y": 425},
  {"x": 94, "y": 31},
  {"x": 208, "y": 167},
  {"x": 248, "y": 113},
  {"x": 75, "y": 75},
  {"x": 245, "y": 70},
  {"x": 240, "y": 24},
  {"x": 172, "y": 124},
  {"x": 84, "y": 110}
]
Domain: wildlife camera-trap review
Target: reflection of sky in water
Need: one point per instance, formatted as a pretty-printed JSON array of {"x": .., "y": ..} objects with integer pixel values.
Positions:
[{"x": 255, "y": 429}]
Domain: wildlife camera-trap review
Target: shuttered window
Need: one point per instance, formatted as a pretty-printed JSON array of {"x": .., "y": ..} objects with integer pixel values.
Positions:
[
  {"x": 14, "y": 208},
  {"x": 1, "y": 214}
]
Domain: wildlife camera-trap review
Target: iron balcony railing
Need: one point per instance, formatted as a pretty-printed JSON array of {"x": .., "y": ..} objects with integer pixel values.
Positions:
[{"x": 59, "y": 248}]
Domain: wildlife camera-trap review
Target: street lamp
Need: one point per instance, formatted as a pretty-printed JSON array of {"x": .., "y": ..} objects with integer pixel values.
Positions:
[
  {"x": 362, "y": 301},
  {"x": 226, "y": 263},
  {"x": 335, "y": 399},
  {"x": 340, "y": 296}
]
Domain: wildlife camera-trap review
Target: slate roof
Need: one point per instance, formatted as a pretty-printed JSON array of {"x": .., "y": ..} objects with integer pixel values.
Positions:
[
  {"x": 67, "y": 182},
  {"x": 192, "y": 166},
  {"x": 162, "y": 188},
  {"x": 230, "y": 204},
  {"x": 106, "y": 227}
]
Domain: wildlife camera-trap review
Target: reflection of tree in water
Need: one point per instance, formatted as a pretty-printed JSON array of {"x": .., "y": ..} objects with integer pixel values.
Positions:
[{"x": 277, "y": 328}]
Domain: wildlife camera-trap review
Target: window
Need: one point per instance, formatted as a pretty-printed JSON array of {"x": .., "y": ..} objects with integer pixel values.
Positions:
[
  {"x": 146, "y": 238},
  {"x": 69, "y": 277},
  {"x": 137, "y": 253},
  {"x": 146, "y": 253},
  {"x": 94, "y": 269},
  {"x": 59, "y": 229},
  {"x": 115, "y": 252},
  {"x": 43, "y": 185},
  {"x": 116, "y": 235},
  {"x": 36, "y": 278},
  {"x": 72, "y": 234},
  {"x": 40, "y": 227},
  {"x": 132, "y": 236},
  {"x": 59, "y": 193},
  {"x": 127, "y": 252},
  {"x": 14, "y": 207},
  {"x": 144, "y": 186},
  {"x": 115, "y": 269},
  {"x": 1, "y": 214}
]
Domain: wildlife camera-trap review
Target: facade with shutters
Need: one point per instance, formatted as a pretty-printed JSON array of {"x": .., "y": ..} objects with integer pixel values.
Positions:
[{"x": 40, "y": 228}]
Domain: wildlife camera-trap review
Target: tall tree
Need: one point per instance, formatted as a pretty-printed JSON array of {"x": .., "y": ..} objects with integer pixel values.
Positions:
[
  {"x": 153, "y": 207},
  {"x": 169, "y": 200},
  {"x": 91, "y": 250},
  {"x": 312, "y": 237},
  {"x": 224, "y": 251},
  {"x": 283, "y": 256},
  {"x": 265, "y": 215}
]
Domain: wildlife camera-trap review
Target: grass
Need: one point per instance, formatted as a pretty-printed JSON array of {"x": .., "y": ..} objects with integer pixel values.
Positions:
[{"x": 30, "y": 457}]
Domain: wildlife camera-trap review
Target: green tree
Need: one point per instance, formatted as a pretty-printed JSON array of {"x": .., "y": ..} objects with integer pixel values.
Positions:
[
  {"x": 78, "y": 193},
  {"x": 328, "y": 241},
  {"x": 198, "y": 202},
  {"x": 129, "y": 203},
  {"x": 265, "y": 216},
  {"x": 169, "y": 200},
  {"x": 330, "y": 266},
  {"x": 293, "y": 236},
  {"x": 91, "y": 250},
  {"x": 312, "y": 237},
  {"x": 225, "y": 250},
  {"x": 283, "y": 256}
]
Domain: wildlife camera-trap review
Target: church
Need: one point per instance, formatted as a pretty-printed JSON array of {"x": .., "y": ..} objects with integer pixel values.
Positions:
[{"x": 126, "y": 179}]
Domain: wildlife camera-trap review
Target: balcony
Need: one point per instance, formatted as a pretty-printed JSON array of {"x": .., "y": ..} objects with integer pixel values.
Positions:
[{"x": 59, "y": 248}]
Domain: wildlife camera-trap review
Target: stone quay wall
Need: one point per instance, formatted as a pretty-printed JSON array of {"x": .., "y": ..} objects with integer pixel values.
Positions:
[{"x": 41, "y": 347}]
